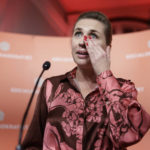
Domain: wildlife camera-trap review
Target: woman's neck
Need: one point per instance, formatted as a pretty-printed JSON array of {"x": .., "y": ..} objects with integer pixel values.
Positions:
[
  {"x": 85, "y": 75},
  {"x": 85, "y": 80}
]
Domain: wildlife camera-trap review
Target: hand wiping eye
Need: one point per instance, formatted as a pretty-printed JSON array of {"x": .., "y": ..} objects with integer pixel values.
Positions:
[{"x": 93, "y": 36}]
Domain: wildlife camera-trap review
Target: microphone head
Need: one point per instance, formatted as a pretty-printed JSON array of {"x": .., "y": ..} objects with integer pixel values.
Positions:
[{"x": 46, "y": 65}]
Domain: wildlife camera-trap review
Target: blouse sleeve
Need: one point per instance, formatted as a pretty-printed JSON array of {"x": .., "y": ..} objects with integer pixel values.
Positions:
[
  {"x": 127, "y": 120},
  {"x": 34, "y": 136}
]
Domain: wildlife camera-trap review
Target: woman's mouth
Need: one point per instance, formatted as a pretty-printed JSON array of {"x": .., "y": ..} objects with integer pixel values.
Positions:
[{"x": 82, "y": 54}]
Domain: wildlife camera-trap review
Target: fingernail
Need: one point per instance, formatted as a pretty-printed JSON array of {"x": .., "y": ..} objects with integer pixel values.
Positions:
[
  {"x": 86, "y": 44},
  {"x": 90, "y": 37},
  {"x": 85, "y": 38}
]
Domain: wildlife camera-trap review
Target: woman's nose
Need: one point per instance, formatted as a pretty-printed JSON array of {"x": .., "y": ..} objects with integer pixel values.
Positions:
[{"x": 82, "y": 41}]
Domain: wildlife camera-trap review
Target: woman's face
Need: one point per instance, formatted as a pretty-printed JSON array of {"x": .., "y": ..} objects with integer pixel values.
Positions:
[{"x": 86, "y": 27}]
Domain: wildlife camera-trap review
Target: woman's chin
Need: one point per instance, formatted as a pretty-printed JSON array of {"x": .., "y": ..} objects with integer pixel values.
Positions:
[{"x": 83, "y": 63}]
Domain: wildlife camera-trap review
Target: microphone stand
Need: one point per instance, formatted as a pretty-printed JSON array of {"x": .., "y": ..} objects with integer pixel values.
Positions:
[{"x": 46, "y": 66}]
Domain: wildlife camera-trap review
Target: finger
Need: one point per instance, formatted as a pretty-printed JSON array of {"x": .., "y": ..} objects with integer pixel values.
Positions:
[
  {"x": 88, "y": 44},
  {"x": 96, "y": 48},
  {"x": 91, "y": 47},
  {"x": 96, "y": 43}
]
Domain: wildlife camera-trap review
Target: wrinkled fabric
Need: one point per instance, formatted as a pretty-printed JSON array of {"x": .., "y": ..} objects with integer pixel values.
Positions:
[{"x": 108, "y": 118}]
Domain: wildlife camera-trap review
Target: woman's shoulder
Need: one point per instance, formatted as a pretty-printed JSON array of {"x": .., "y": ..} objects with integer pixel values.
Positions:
[
  {"x": 58, "y": 78},
  {"x": 127, "y": 85},
  {"x": 124, "y": 81},
  {"x": 55, "y": 79},
  {"x": 61, "y": 77}
]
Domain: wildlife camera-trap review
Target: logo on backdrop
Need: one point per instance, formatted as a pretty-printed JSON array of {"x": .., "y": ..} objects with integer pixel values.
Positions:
[
  {"x": 27, "y": 91},
  {"x": 2, "y": 115},
  {"x": 140, "y": 89},
  {"x": 148, "y": 43},
  {"x": 62, "y": 59},
  {"x": 139, "y": 55},
  {"x": 8, "y": 126},
  {"x": 5, "y": 47}
]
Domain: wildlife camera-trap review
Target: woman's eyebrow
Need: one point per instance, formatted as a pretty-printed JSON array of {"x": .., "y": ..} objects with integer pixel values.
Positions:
[
  {"x": 78, "y": 29},
  {"x": 92, "y": 31}
]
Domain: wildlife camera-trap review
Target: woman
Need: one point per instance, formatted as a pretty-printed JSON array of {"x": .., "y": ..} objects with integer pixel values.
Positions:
[{"x": 88, "y": 108}]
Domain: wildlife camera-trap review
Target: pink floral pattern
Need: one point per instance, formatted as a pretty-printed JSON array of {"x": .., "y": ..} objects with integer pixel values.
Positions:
[
  {"x": 108, "y": 118},
  {"x": 71, "y": 115},
  {"x": 106, "y": 109}
]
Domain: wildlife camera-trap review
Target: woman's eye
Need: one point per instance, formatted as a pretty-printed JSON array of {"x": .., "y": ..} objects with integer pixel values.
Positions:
[
  {"x": 78, "y": 34},
  {"x": 93, "y": 36}
]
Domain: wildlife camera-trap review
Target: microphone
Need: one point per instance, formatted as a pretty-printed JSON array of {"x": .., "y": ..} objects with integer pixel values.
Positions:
[{"x": 46, "y": 66}]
